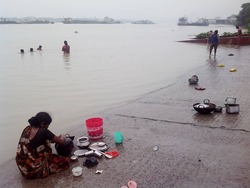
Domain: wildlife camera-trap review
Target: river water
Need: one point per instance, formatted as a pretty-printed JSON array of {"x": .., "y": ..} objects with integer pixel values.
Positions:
[{"x": 108, "y": 66}]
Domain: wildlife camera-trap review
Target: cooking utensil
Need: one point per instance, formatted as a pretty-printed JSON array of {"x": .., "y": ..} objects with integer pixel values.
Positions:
[
  {"x": 80, "y": 153},
  {"x": 100, "y": 146},
  {"x": 230, "y": 100},
  {"x": 83, "y": 145},
  {"x": 73, "y": 157},
  {"x": 218, "y": 109},
  {"x": 82, "y": 139},
  {"x": 204, "y": 108},
  {"x": 106, "y": 155},
  {"x": 193, "y": 80},
  {"x": 83, "y": 142},
  {"x": 77, "y": 171},
  {"x": 232, "y": 108}
]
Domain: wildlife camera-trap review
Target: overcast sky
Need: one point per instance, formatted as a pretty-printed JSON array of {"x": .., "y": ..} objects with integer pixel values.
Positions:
[{"x": 117, "y": 9}]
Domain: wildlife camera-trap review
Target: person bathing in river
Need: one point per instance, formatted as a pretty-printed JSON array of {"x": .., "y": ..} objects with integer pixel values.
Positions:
[
  {"x": 39, "y": 47},
  {"x": 66, "y": 47},
  {"x": 34, "y": 156}
]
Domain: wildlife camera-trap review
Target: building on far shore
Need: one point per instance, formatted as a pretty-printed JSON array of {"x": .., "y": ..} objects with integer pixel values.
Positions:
[{"x": 230, "y": 20}]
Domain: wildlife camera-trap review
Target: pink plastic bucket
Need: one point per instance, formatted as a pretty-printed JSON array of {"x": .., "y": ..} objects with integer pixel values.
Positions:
[{"x": 94, "y": 128}]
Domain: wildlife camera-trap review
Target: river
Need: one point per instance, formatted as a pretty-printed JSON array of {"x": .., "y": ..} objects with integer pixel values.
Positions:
[{"x": 108, "y": 66}]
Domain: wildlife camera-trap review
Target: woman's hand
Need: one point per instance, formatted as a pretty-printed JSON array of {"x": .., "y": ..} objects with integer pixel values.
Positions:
[{"x": 59, "y": 139}]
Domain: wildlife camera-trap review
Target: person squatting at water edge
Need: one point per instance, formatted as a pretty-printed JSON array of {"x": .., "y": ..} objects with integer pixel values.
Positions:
[
  {"x": 31, "y": 50},
  {"x": 34, "y": 156},
  {"x": 66, "y": 47},
  {"x": 22, "y": 51},
  {"x": 215, "y": 39}
]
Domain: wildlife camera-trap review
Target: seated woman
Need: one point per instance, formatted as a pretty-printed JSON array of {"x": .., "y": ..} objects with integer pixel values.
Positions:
[{"x": 34, "y": 156}]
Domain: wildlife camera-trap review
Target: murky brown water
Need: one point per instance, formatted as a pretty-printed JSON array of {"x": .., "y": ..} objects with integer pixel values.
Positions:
[{"x": 108, "y": 65}]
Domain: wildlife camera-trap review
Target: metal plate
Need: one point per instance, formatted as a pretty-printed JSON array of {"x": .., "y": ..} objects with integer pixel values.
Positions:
[
  {"x": 80, "y": 152},
  {"x": 101, "y": 146}
]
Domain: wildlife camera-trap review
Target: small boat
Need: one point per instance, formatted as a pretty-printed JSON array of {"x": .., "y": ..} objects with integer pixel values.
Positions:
[
  {"x": 106, "y": 20},
  {"x": 183, "y": 21},
  {"x": 245, "y": 40},
  {"x": 143, "y": 22},
  {"x": 35, "y": 22}
]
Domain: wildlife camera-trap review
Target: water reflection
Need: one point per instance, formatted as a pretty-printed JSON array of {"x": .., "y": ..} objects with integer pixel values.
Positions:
[
  {"x": 66, "y": 60},
  {"x": 22, "y": 57}
]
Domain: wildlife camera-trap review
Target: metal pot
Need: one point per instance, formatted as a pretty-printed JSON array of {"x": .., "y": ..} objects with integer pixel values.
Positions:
[
  {"x": 232, "y": 108},
  {"x": 218, "y": 109},
  {"x": 230, "y": 100},
  {"x": 83, "y": 142}
]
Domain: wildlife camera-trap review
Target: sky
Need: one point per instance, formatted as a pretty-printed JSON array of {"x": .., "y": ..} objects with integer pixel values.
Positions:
[{"x": 121, "y": 9}]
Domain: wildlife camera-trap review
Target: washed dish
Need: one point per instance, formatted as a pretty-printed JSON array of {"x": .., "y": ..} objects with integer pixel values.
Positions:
[
  {"x": 73, "y": 158},
  {"x": 80, "y": 153},
  {"x": 101, "y": 146}
]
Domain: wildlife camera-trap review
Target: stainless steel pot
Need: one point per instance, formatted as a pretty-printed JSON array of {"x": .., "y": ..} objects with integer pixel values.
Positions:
[
  {"x": 232, "y": 108},
  {"x": 230, "y": 100}
]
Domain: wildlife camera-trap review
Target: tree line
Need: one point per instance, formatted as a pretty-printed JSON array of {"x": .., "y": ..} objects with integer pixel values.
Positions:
[{"x": 243, "y": 19}]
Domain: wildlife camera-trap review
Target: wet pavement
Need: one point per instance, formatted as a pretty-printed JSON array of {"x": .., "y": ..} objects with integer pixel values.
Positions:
[{"x": 194, "y": 150}]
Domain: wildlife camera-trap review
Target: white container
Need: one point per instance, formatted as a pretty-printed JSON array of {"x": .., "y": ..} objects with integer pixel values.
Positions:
[{"x": 77, "y": 171}]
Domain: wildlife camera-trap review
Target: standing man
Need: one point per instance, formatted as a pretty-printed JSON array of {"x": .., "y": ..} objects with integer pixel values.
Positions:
[
  {"x": 239, "y": 35},
  {"x": 209, "y": 36},
  {"x": 215, "y": 39},
  {"x": 66, "y": 48}
]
